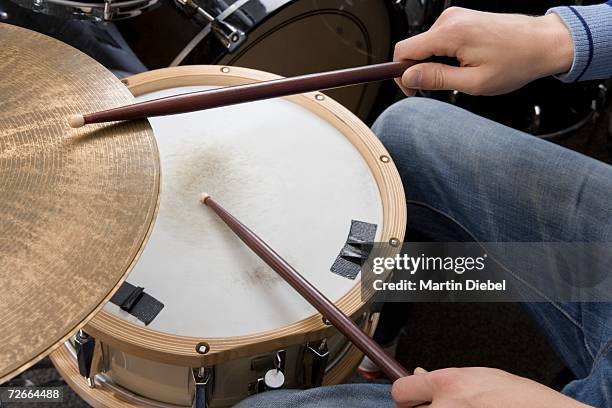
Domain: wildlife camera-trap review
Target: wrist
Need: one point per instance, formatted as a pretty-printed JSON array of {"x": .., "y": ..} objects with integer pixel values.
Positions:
[{"x": 557, "y": 45}]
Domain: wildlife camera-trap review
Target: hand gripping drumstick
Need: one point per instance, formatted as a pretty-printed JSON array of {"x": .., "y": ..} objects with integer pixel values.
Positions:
[
  {"x": 231, "y": 95},
  {"x": 346, "y": 326}
]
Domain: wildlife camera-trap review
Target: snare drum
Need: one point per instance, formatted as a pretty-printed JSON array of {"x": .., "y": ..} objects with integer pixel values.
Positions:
[{"x": 299, "y": 171}]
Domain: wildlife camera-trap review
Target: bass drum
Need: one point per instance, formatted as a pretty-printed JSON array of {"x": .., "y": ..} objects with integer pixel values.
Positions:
[{"x": 285, "y": 37}]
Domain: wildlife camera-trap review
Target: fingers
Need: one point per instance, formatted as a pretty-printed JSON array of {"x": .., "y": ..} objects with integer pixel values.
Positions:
[
  {"x": 446, "y": 38},
  {"x": 406, "y": 91},
  {"x": 418, "y": 48},
  {"x": 418, "y": 371},
  {"x": 423, "y": 46},
  {"x": 435, "y": 76},
  {"x": 412, "y": 391}
]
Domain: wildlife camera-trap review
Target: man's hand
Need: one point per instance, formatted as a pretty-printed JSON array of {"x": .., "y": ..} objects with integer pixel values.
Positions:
[
  {"x": 498, "y": 53},
  {"x": 475, "y": 387}
]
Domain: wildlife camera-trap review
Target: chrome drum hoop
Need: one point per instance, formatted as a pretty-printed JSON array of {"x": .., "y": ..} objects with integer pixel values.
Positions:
[{"x": 99, "y": 11}]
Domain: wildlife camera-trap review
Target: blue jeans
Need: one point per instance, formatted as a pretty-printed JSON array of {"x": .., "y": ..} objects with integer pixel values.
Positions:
[{"x": 465, "y": 175}]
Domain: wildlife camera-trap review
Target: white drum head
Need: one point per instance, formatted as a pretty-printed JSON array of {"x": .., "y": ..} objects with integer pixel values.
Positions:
[{"x": 286, "y": 173}]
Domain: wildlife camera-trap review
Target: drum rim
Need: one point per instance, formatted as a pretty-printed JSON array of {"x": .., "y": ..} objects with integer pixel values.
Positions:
[
  {"x": 97, "y": 10},
  {"x": 181, "y": 350}
]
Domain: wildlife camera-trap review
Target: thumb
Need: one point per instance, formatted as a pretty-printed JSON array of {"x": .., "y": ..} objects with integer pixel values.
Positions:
[{"x": 436, "y": 76}]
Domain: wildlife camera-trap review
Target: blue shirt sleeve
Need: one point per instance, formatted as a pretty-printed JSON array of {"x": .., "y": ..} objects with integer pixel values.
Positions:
[{"x": 591, "y": 28}]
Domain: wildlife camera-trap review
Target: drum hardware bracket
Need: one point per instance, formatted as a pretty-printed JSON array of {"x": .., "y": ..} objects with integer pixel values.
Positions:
[
  {"x": 178, "y": 60},
  {"x": 203, "y": 378},
  {"x": 280, "y": 360},
  {"x": 107, "y": 13},
  {"x": 230, "y": 36},
  {"x": 274, "y": 378},
  {"x": 85, "y": 346},
  {"x": 356, "y": 250},
  {"x": 316, "y": 357},
  {"x": 257, "y": 387},
  {"x": 135, "y": 301}
]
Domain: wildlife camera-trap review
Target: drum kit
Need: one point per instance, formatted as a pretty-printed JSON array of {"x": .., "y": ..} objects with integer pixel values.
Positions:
[
  {"x": 200, "y": 320},
  {"x": 108, "y": 261},
  {"x": 356, "y": 33}
]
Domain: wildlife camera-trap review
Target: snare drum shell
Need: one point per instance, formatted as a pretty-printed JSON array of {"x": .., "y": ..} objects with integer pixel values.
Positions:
[{"x": 137, "y": 382}]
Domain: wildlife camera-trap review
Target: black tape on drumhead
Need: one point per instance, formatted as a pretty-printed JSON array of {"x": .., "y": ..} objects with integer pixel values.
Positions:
[
  {"x": 136, "y": 302},
  {"x": 356, "y": 249}
]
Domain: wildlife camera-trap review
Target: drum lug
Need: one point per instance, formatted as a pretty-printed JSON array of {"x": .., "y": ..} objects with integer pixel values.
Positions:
[
  {"x": 85, "y": 346},
  {"x": 400, "y": 4},
  {"x": 107, "y": 14},
  {"x": 315, "y": 362},
  {"x": 536, "y": 121},
  {"x": 231, "y": 37},
  {"x": 602, "y": 96},
  {"x": 453, "y": 97},
  {"x": 202, "y": 378}
]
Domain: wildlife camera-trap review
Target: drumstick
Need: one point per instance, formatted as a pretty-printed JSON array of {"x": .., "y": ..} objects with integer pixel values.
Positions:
[
  {"x": 231, "y": 95},
  {"x": 330, "y": 311}
]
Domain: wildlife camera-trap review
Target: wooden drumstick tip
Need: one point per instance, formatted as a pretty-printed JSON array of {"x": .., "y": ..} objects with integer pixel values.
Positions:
[
  {"x": 76, "y": 121},
  {"x": 203, "y": 198}
]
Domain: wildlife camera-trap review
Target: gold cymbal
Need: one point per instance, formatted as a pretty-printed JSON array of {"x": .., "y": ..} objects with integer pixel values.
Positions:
[{"x": 76, "y": 205}]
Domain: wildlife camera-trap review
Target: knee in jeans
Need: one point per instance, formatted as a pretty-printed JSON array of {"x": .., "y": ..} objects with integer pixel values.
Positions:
[{"x": 412, "y": 121}]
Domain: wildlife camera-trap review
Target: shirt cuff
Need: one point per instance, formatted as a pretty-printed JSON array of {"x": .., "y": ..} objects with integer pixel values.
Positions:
[{"x": 591, "y": 29}]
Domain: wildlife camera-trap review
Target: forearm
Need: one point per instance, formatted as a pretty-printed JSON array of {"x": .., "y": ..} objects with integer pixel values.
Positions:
[{"x": 591, "y": 30}]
